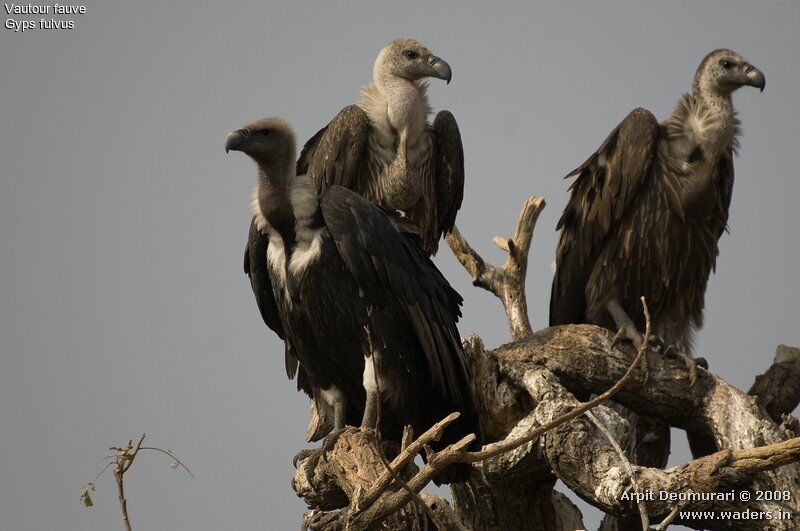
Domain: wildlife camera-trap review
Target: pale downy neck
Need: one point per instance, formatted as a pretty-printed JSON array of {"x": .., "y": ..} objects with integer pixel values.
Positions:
[
  {"x": 398, "y": 168},
  {"x": 405, "y": 107},
  {"x": 714, "y": 118},
  {"x": 701, "y": 128},
  {"x": 717, "y": 100},
  {"x": 703, "y": 120},
  {"x": 402, "y": 103}
]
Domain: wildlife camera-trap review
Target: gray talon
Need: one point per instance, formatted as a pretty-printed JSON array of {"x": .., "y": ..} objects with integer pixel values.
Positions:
[
  {"x": 314, "y": 456},
  {"x": 690, "y": 362},
  {"x": 301, "y": 456}
]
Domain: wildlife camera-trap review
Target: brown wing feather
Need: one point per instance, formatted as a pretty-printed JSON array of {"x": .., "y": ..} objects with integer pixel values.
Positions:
[
  {"x": 607, "y": 183},
  {"x": 333, "y": 155},
  {"x": 256, "y": 269},
  {"x": 725, "y": 181},
  {"x": 449, "y": 178}
]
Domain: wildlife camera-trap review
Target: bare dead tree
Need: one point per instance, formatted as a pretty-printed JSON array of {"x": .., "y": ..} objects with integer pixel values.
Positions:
[{"x": 545, "y": 408}]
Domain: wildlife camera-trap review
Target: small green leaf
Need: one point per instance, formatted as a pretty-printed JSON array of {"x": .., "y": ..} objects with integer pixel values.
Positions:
[{"x": 86, "y": 499}]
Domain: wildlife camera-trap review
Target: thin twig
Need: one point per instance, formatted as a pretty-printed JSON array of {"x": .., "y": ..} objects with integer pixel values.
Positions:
[
  {"x": 124, "y": 462},
  {"x": 407, "y": 455},
  {"x": 671, "y": 516},
  {"x": 628, "y": 468},
  {"x": 167, "y": 452},
  {"x": 622, "y": 457},
  {"x": 395, "y": 475},
  {"x": 506, "y": 446}
]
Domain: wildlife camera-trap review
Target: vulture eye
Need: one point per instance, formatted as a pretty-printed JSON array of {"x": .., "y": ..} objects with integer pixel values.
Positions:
[
  {"x": 727, "y": 65},
  {"x": 264, "y": 132},
  {"x": 411, "y": 54}
]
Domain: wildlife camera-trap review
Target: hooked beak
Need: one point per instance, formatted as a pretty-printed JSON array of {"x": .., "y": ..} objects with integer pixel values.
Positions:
[
  {"x": 440, "y": 69},
  {"x": 235, "y": 139},
  {"x": 755, "y": 77}
]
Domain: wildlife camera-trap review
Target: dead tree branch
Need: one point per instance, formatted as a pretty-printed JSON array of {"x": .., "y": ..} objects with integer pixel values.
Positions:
[
  {"x": 626, "y": 465},
  {"x": 778, "y": 389},
  {"x": 568, "y": 448},
  {"x": 507, "y": 282},
  {"x": 531, "y": 397}
]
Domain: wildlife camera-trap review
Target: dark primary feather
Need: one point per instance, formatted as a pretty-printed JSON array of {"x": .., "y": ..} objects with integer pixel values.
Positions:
[
  {"x": 725, "y": 179},
  {"x": 413, "y": 312},
  {"x": 333, "y": 156},
  {"x": 400, "y": 281},
  {"x": 255, "y": 267},
  {"x": 606, "y": 186},
  {"x": 449, "y": 170}
]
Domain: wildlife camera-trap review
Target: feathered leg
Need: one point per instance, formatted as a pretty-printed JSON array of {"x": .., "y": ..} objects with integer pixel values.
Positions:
[
  {"x": 335, "y": 400},
  {"x": 370, "y": 418}
]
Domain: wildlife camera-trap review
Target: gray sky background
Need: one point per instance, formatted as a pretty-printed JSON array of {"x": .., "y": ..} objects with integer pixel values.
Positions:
[{"x": 123, "y": 307}]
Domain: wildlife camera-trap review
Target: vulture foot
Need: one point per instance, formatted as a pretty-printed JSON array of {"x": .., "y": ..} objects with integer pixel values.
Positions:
[
  {"x": 313, "y": 455},
  {"x": 691, "y": 363},
  {"x": 627, "y": 331}
]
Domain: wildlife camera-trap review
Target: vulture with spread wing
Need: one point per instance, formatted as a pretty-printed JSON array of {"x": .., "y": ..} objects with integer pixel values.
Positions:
[
  {"x": 385, "y": 150},
  {"x": 647, "y": 210}
]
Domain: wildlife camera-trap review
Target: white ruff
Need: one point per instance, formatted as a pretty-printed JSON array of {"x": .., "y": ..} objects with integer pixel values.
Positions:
[
  {"x": 306, "y": 252},
  {"x": 255, "y": 209},
  {"x": 308, "y": 246},
  {"x": 701, "y": 125},
  {"x": 383, "y": 138},
  {"x": 276, "y": 257}
]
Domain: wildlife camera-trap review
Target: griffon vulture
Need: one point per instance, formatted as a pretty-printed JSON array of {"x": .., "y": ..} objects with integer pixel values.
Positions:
[
  {"x": 647, "y": 210},
  {"x": 364, "y": 309},
  {"x": 385, "y": 150}
]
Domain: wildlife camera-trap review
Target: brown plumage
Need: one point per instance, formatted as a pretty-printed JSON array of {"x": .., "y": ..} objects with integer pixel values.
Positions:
[
  {"x": 385, "y": 150},
  {"x": 647, "y": 209}
]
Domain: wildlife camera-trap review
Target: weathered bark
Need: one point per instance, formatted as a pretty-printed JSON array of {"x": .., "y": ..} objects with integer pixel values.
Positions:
[
  {"x": 515, "y": 488},
  {"x": 350, "y": 467},
  {"x": 507, "y": 282},
  {"x": 778, "y": 389}
]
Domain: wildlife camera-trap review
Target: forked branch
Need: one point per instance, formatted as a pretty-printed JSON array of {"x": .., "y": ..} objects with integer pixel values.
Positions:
[{"x": 507, "y": 282}]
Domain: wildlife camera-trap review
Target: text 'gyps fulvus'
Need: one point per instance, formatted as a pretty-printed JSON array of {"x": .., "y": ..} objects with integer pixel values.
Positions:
[
  {"x": 323, "y": 267},
  {"x": 647, "y": 210},
  {"x": 385, "y": 150}
]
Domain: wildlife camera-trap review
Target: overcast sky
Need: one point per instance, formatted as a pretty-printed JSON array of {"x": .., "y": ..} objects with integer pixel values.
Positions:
[{"x": 123, "y": 306}]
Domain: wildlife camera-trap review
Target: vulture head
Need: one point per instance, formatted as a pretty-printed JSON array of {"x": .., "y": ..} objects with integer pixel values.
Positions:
[
  {"x": 268, "y": 141},
  {"x": 723, "y": 71},
  {"x": 408, "y": 59}
]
